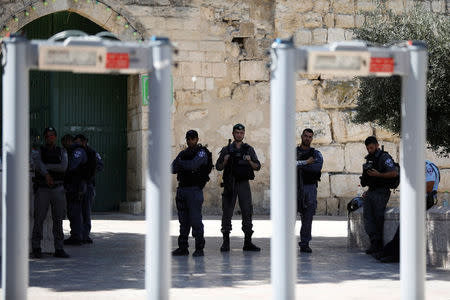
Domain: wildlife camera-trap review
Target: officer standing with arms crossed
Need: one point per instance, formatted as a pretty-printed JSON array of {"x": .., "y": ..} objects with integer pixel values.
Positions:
[
  {"x": 50, "y": 163},
  {"x": 239, "y": 161},
  {"x": 76, "y": 186},
  {"x": 95, "y": 164},
  {"x": 190, "y": 165},
  {"x": 309, "y": 168},
  {"x": 378, "y": 171}
]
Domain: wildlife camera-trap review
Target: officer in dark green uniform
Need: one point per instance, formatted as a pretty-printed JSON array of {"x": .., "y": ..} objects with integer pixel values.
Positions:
[
  {"x": 377, "y": 171},
  {"x": 239, "y": 161}
]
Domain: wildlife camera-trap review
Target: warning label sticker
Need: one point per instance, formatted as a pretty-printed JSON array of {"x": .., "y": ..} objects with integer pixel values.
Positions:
[
  {"x": 381, "y": 65},
  {"x": 117, "y": 61}
]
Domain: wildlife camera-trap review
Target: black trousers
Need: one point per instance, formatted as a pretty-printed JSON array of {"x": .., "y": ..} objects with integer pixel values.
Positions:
[
  {"x": 241, "y": 190},
  {"x": 189, "y": 201}
]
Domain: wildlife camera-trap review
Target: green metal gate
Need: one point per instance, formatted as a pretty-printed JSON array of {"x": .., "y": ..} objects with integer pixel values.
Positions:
[{"x": 95, "y": 105}]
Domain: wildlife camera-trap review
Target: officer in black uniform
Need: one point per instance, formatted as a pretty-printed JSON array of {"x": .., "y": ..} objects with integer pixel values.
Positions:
[
  {"x": 76, "y": 186},
  {"x": 50, "y": 163},
  {"x": 95, "y": 165},
  {"x": 377, "y": 171},
  {"x": 188, "y": 166},
  {"x": 239, "y": 161},
  {"x": 309, "y": 168}
]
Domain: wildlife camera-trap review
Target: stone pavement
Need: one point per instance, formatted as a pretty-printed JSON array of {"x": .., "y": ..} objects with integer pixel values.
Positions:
[{"x": 113, "y": 267}]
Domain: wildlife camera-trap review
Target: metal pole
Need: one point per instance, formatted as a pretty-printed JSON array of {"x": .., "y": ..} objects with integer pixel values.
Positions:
[
  {"x": 158, "y": 179},
  {"x": 412, "y": 186},
  {"x": 282, "y": 169},
  {"x": 15, "y": 194}
]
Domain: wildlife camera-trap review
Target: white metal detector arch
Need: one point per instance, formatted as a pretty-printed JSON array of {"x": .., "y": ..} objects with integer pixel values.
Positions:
[
  {"x": 83, "y": 55},
  {"x": 409, "y": 60}
]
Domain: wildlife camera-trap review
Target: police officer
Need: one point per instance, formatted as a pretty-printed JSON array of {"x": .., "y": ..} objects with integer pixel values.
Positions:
[
  {"x": 50, "y": 162},
  {"x": 95, "y": 164},
  {"x": 189, "y": 198},
  {"x": 391, "y": 251},
  {"x": 309, "y": 168},
  {"x": 76, "y": 186},
  {"x": 377, "y": 171},
  {"x": 239, "y": 161}
]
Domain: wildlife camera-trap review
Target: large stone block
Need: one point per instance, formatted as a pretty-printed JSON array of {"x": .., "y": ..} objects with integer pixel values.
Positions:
[
  {"x": 332, "y": 206},
  {"x": 396, "y": 6},
  {"x": 318, "y": 121},
  {"x": 321, "y": 206},
  {"x": 444, "y": 184},
  {"x": 354, "y": 157},
  {"x": 254, "y": 118},
  {"x": 196, "y": 114},
  {"x": 319, "y": 36},
  {"x": 336, "y": 35},
  {"x": 303, "y": 37},
  {"x": 337, "y": 94},
  {"x": 333, "y": 158},
  {"x": 385, "y": 135},
  {"x": 366, "y": 5},
  {"x": 305, "y": 95},
  {"x": 321, "y": 6},
  {"x": 253, "y": 71},
  {"x": 344, "y": 185},
  {"x": 346, "y": 131},
  {"x": 219, "y": 69},
  {"x": 312, "y": 20},
  {"x": 345, "y": 21},
  {"x": 323, "y": 189},
  {"x": 343, "y": 6}
]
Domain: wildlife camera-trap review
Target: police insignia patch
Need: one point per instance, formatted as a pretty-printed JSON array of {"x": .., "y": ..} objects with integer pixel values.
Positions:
[
  {"x": 201, "y": 153},
  {"x": 77, "y": 154},
  {"x": 389, "y": 162}
]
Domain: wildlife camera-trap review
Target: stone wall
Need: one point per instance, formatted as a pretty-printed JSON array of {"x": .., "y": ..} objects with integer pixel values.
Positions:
[{"x": 221, "y": 78}]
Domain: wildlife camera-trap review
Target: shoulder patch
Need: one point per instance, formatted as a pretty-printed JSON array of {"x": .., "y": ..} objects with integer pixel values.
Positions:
[
  {"x": 389, "y": 162},
  {"x": 429, "y": 169},
  {"x": 77, "y": 154},
  {"x": 201, "y": 153},
  {"x": 97, "y": 155}
]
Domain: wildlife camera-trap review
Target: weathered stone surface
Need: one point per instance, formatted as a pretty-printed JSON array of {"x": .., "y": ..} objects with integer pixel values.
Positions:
[
  {"x": 336, "y": 35},
  {"x": 345, "y": 21},
  {"x": 219, "y": 69},
  {"x": 343, "y": 6},
  {"x": 332, "y": 206},
  {"x": 312, "y": 20},
  {"x": 354, "y": 157},
  {"x": 318, "y": 121},
  {"x": 246, "y": 29},
  {"x": 346, "y": 131},
  {"x": 386, "y": 135},
  {"x": 254, "y": 118},
  {"x": 332, "y": 158},
  {"x": 254, "y": 71},
  {"x": 321, "y": 6},
  {"x": 348, "y": 35},
  {"x": 396, "y": 6},
  {"x": 196, "y": 114},
  {"x": 321, "y": 206},
  {"x": 359, "y": 20},
  {"x": 444, "y": 184},
  {"x": 323, "y": 189},
  {"x": 328, "y": 20},
  {"x": 305, "y": 94},
  {"x": 344, "y": 185},
  {"x": 319, "y": 36},
  {"x": 337, "y": 94},
  {"x": 303, "y": 37},
  {"x": 441, "y": 161}
]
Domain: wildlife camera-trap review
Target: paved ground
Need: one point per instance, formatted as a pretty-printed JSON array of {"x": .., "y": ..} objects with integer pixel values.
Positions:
[{"x": 113, "y": 267}]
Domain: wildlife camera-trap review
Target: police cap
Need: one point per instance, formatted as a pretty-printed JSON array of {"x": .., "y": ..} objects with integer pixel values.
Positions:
[
  {"x": 191, "y": 134},
  {"x": 238, "y": 126},
  {"x": 49, "y": 129}
]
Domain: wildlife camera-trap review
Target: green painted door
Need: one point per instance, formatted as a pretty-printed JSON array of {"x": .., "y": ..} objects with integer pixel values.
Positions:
[{"x": 95, "y": 105}]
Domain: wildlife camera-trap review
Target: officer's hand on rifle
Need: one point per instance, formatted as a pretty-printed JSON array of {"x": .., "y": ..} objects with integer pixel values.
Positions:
[
  {"x": 226, "y": 158},
  {"x": 247, "y": 157}
]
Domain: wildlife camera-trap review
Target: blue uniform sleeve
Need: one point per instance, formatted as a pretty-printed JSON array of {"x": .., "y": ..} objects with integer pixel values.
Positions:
[
  {"x": 190, "y": 165},
  {"x": 174, "y": 166},
  {"x": 388, "y": 164},
  {"x": 78, "y": 157},
  {"x": 99, "y": 159},
  {"x": 430, "y": 175},
  {"x": 316, "y": 166}
]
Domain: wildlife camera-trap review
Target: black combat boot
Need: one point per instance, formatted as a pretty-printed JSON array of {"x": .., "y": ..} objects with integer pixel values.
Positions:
[
  {"x": 248, "y": 245},
  {"x": 37, "y": 253},
  {"x": 198, "y": 252},
  {"x": 180, "y": 252},
  {"x": 226, "y": 243}
]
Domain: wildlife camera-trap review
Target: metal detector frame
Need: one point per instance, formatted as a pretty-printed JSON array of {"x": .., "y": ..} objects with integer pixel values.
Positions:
[
  {"x": 409, "y": 60},
  {"x": 108, "y": 57}
]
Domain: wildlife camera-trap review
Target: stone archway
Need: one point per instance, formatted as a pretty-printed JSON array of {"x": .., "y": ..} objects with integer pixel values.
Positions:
[{"x": 113, "y": 18}]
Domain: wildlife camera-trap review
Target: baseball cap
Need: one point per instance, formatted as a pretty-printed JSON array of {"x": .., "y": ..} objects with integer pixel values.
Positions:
[
  {"x": 238, "y": 126},
  {"x": 49, "y": 129},
  {"x": 191, "y": 134}
]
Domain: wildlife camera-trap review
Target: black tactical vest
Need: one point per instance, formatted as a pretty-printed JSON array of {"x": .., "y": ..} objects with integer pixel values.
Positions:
[
  {"x": 51, "y": 156},
  {"x": 239, "y": 168},
  {"x": 189, "y": 178},
  {"x": 309, "y": 177}
]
